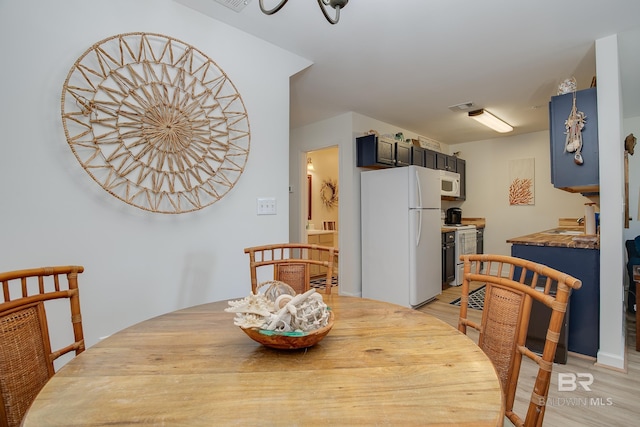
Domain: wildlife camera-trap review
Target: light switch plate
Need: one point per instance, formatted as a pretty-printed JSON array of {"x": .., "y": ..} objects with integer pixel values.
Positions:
[{"x": 266, "y": 206}]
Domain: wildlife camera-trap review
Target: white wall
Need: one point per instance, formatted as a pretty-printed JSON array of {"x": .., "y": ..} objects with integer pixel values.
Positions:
[
  {"x": 488, "y": 189},
  {"x": 612, "y": 252},
  {"x": 137, "y": 264}
]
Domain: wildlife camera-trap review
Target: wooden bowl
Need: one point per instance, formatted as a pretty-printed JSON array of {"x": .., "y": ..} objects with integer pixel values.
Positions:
[{"x": 289, "y": 340}]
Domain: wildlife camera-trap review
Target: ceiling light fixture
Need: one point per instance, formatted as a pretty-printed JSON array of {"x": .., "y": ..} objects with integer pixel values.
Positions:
[
  {"x": 309, "y": 164},
  {"x": 491, "y": 121},
  {"x": 335, "y": 4}
]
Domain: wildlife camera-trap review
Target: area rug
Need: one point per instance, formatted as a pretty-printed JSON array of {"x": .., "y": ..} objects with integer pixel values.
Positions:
[
  {"x": 321, "y": 282},
  {"x": 476, "y": 299}
]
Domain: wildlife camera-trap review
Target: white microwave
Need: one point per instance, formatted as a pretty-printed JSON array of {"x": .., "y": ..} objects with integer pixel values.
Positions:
[{"x": 449, "y": 184}]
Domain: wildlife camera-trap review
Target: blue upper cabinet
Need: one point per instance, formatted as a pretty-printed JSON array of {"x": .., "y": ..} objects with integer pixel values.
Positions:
[
  {"x": 566, "y": 173},
  {"x": 374, "y": 152}
]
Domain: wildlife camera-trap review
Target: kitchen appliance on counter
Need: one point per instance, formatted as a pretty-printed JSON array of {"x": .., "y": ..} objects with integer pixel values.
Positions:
[
  {"x": 466, "y": 244},
  {"x": 401, "y": 235},
  {"x": 454, "y": 216}
]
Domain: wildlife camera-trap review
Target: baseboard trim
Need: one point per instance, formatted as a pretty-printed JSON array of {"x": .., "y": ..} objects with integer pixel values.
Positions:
[{"x": 611, "y": 361}]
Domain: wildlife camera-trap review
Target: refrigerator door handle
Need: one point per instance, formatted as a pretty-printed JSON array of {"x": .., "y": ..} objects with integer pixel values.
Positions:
[
  {"x": 419, "y": 190},
  {"x": 419, "y": 233}
]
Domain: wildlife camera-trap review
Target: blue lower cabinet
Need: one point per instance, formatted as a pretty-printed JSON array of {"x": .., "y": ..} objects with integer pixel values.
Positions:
[{"x": 583, "y": 264}]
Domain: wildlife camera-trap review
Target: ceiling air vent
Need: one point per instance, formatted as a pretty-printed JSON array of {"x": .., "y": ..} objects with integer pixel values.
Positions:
[
  {"x": 236, "y": 5},
  {"x": 465, "y": 106}
]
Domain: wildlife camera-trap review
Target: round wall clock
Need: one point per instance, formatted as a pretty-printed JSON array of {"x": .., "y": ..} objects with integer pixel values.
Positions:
[{"x": 155, "y": 122}]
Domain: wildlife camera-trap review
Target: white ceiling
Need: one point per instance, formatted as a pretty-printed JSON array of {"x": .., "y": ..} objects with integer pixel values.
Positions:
[{"x": 405, "y": 62}]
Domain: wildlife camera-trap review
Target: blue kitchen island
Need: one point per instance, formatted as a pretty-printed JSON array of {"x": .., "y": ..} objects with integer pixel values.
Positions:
[{"x": 578, "y": 256}]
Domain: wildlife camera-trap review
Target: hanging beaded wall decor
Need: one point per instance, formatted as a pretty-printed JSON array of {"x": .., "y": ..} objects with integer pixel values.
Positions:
[{"x": 155, "y": 122}]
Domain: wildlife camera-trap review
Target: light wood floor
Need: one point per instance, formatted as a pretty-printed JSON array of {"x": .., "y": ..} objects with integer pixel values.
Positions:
[{"x": 614, "y": 399}]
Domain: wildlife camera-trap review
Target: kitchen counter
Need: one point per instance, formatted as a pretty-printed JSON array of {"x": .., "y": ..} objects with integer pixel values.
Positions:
[
  {"x": 554, "y": 238},
  {"x": 317, "y": 232},
  {"x": 478, "y": 222}
]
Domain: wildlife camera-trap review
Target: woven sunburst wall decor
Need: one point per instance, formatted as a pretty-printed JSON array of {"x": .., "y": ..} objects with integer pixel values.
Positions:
[
  {"x": 329, "y": 193},
  {"x": 155, "y": 122}
]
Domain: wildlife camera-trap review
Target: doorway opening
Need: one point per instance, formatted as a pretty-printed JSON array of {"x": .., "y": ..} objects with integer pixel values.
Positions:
[{"x": 321, "y": 215}]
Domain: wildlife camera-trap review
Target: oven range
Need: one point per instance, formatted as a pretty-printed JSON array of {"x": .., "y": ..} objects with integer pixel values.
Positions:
[{"x": 466, "y": 239}]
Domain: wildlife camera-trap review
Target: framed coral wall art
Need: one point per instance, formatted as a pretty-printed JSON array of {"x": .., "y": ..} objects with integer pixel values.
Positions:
[{"x": 522, "y": 182}]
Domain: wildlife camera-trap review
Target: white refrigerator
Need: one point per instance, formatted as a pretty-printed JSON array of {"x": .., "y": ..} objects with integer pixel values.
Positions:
[{"x": 401, "y": 235}]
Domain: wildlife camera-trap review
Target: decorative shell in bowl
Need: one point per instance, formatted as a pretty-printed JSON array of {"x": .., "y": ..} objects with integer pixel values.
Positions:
[{"x": 279, "y": 318}]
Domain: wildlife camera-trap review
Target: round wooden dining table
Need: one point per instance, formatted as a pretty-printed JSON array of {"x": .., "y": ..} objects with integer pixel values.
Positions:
[{"x": 381, "y": 364}]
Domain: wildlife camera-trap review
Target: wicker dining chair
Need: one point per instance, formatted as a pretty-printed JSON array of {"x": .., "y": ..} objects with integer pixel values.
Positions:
[
  {"x": 511, "y": 285},
  {"x": 26, "y": 358},
  {"x": 294, "y": 264}
]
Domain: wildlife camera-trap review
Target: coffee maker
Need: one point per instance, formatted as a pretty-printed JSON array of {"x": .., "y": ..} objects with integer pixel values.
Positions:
[{"x": 454, "y": 216}]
